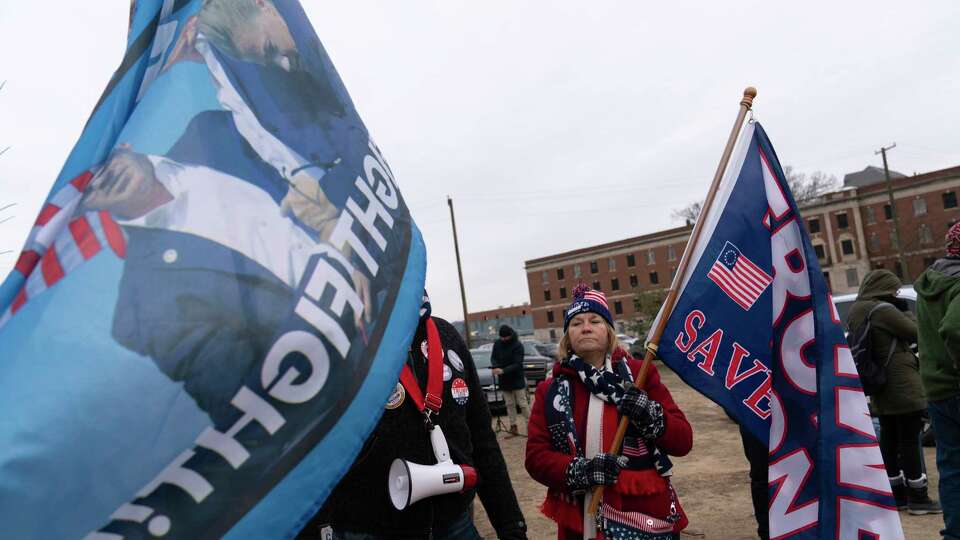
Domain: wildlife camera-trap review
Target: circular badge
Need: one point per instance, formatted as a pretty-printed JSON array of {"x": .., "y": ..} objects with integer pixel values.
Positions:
[
  {"x": 447, "y": 373},
  {"x": 455, "y": 360},
  {"x": 396, "y": 398},
  {"x": 424, "y": 349},
  {"x": 459, "y": 391}
]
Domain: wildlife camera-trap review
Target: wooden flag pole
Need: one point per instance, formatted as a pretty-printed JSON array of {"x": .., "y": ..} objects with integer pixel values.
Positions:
[{"x": 668, "y": 304}]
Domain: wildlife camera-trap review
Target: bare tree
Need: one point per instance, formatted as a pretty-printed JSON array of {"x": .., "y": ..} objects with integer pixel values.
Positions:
[
  {"x": 804, "y": 188},
  {"x": 689, "y": 213},
  {"x": 807, "y": 188}
]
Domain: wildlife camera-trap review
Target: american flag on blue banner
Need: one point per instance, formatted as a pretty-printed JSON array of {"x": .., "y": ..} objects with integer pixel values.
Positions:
[
  {"x": 207, "y": 318},
  {"x": 775, "y": 357},
  {"x": 738, "y": 277}
]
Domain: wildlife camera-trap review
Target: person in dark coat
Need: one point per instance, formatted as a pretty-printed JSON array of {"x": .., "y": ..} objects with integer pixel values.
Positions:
[
  {"x": 938, "y": 314},
  {"x": 507, "y": 362},
  {"x": 360, "y": 506},
  {"x": 900, "y": 403}
]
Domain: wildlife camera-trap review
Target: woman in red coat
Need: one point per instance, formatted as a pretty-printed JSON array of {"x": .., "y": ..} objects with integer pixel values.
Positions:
[{"x": 573, "y": 423}]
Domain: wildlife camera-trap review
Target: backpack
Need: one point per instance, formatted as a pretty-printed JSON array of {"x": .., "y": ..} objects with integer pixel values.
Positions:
[{"x": 873, "y": 374}]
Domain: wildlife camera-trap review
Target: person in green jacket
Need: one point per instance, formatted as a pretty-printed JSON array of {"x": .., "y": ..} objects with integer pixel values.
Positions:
[
  {"x": 901, "y": 402},
  {"x": 938, "y": 311}
]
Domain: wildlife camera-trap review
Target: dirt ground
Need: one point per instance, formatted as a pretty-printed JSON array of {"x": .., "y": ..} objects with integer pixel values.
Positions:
[{"x": 711, "y": 481}]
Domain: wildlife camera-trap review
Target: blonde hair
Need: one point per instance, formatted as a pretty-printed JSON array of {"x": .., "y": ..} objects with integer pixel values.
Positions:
[{"x": 564, "y": 349}]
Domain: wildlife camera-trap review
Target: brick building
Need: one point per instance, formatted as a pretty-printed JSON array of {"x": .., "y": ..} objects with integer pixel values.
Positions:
[
  {"x": 851, "y": 231},
  {"x": 485, "y": 325}
]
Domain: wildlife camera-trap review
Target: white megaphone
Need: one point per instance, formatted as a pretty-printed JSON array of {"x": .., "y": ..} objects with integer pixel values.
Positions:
[{"x": 409, "y": 482}]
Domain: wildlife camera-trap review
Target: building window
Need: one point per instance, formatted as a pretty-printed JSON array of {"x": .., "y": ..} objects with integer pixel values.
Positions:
[
  {"x": 545, "y": 276},
  {"x": 826, "y": 279},
  {"x": 651, "y": 257},
  {"x": 553, "y": 333},
  {"x": 871, "y": 215},
  {"x": 593, "y": 267},
  {"x": 654, "y": 279},
  {"x": 925, "y": 234},
  {"x": 853, "y": 280},
  {"x": 887, "y": 212},
  {"x": 671, "y": 253},
  {"x": 898, "y": 269},
  {"x": 874, "y": 242},
  {"x": 546, "y": 296},
  {"x": 846, "y": 247},
  {"x": 893, "y": 240},
  {"x": 559, "y": 274},
  {"x": 612, "y": 264},
  {"x": 818, "y": 249},
  {"x": 634, "y": 282},
  {"x": 842, "y": 221},
  {"x": 949, "y": 200},
  {"x": 614, "y": 284},
  {"x": 576, "y": 271},
  {"x": 617, "y": 307},
  {"x": 563, "y": 292},
  {"x": 550, "y": 316},
  {"x": 631, "y": 260},
  {"x": 596, "y": 285},
  {"x": 813, "y": 225},
  {"x": 919, "y": 207}
]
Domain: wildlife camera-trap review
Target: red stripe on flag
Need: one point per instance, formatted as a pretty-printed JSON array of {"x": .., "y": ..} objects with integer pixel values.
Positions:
[
  {"x": 19, "y": 300},
  {"x": 81, "y": 181},
  {"x": 114, "y": 235},
  {"x": 50, "y": 267},
  {"x": 27, "y": 262},
  {"x": 47, "y": 213},
  {"x": 727, "y": 286},
  {"x": 84, "y": 237}
]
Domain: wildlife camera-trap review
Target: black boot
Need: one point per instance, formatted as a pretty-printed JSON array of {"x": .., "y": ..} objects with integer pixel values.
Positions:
[
  {"x": 899, "y": 487},
  {"x": 918, "y": 501}
]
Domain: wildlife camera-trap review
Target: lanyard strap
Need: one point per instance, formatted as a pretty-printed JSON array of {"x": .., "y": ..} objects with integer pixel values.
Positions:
[{"x": 434, "y": 398}]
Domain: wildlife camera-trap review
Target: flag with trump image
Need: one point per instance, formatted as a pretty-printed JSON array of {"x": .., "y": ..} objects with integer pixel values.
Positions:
[
  {"x": 215, "y": 301},
  {"x": 755, "y": 330}
]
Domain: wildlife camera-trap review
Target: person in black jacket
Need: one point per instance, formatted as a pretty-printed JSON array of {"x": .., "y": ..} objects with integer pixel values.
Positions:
[
  {"x": 360, "y": 505},
  {"x": 507, "y": 362}
]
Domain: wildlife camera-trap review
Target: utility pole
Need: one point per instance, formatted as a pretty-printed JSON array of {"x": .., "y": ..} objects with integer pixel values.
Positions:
[
  {"x": 463, "y": 292},
  {"x": 893, "y": 210}
]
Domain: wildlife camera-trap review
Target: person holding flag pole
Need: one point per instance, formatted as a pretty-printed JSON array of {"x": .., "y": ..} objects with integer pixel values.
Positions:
[{"x": 749, "y": 322}]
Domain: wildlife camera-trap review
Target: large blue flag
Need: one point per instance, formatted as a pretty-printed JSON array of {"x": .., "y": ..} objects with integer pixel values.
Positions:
[
  {"x": 216, "y": 299},
  {"x": 755, "y": 330}
]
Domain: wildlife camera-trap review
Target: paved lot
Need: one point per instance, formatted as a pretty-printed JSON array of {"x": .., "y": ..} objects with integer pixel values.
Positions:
[{"x": 712, "y": 481}]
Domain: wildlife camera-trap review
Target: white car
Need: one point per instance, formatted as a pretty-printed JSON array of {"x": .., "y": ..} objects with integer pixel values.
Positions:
[{"x": 844, "y": 301}]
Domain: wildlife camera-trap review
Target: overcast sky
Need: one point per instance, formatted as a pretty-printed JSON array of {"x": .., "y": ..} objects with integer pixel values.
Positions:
[{"x": 553, "y": 125}]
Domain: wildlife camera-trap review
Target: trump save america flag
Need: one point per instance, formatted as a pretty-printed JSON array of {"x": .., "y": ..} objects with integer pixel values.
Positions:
[
  {"x": 213, "y": 306},
  {"x": 754, "y": 329}
]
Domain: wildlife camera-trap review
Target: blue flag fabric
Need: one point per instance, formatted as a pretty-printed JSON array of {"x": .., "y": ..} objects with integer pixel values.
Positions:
[
  {"x": 216, "y": 299},
  {"x": 755, "y": 330}
]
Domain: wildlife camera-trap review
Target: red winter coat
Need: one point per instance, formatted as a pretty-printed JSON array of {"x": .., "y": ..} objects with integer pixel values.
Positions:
[{"x": 643, "y": 491}]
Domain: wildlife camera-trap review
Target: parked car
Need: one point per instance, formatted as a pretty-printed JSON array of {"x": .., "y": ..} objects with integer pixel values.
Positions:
[
  {"x": 547, "y": 349},
  {"x": 536, "y": 366},
  {"x": 481, "y": 359},
  {"x": 843, "y": 303},
  {"x": 626, "y": 340}
]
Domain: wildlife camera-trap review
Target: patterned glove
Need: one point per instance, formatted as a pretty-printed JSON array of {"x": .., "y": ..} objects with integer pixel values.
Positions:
[
  {"x": 645, "y": 413},
  {"x": 601, "y": 470}
]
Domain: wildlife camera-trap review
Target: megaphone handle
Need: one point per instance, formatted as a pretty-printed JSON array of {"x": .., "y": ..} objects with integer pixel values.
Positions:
[{"x": 439, "y": 443}]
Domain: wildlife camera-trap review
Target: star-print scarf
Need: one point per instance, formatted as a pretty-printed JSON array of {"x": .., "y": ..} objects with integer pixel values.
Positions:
[{"x": 608, "y": 386}]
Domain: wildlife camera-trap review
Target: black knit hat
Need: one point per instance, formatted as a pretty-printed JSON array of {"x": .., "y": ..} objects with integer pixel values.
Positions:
[{"x": 505, "y": 331}]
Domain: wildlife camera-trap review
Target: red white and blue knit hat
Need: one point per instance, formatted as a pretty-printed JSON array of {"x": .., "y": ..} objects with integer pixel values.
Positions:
[
  {"x": 587, "y": 300},
  {"x": 953, "y": 240}
]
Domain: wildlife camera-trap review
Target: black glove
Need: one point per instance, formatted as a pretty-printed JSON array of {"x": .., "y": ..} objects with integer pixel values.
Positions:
[
  {"x": 645, "y": 413},
  {"x": 601, "y": 470},
  {"x": 514, "y": 531}
]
